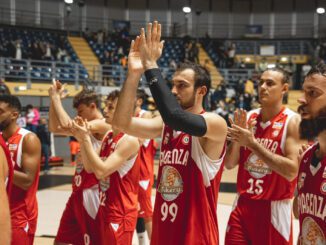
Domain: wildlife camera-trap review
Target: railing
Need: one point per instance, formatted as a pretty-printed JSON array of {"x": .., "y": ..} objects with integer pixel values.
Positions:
[{"x": 73, "y": 73}]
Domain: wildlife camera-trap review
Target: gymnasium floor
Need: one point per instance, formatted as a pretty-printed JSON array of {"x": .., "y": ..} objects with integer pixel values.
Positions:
[{"x": 55, "y": 188}]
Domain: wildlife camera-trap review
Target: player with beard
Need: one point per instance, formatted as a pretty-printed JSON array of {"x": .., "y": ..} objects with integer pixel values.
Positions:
[
  {"x": 25, "y": 149},
  {"x": 78, "y": 220},
  {"x": 193, "y": 143},
  {"x": 265, "y": 145},
  {"x": 312, "y": 173}
]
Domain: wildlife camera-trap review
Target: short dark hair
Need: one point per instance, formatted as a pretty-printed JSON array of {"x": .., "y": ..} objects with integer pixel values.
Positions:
[
  {"x": 113, "y": 95},
  {"x": 202, "y": 77},
  {"x": 286, "y": 75},
  {"x": 12, "y": 101},
  {"x": 319, "y": 69},
  {"x": 86, "y": 97},
  {"x": 141, "y": 94}
]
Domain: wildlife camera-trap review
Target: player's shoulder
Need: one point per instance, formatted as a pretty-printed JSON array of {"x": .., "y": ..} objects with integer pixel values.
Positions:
[{"x": 214, "y": 119}]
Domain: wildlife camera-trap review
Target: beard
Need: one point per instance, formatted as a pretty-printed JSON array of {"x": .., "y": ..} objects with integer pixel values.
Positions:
[
  {"x": 310, "y": 128},
  {"x": 188, "y": 104},
  {"x": 4, "y": 124}
]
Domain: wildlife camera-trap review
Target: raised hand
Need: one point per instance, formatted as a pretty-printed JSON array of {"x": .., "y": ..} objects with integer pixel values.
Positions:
[
  {"x": 58, "y": 89},
  {"x": 151, "y": 46},
  {"x": 134, "y": 61},
  {"x": 80, "y": 129},
  {"x": 241, "y": 132}
]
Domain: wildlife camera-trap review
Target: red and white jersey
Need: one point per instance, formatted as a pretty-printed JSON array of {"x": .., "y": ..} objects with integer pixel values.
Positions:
[
  {"x": 10, "y": 165},
  {"x": 312, "y": 199},
  {"x": 255, "y": 179},
  {"x": 23, "y": 203},
  {"x": 187, "y": 192},
  {"x": 119, "y": 191},
  {"x": 83, "y": 180},
  {"x": 146, "y": 161}
]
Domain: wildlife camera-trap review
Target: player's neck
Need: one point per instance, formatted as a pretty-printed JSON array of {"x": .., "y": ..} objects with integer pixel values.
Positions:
[
  {"x": 270, "y": 111},
  {"x": 322, "y": 144},
  {"x": 137, "y": 111},
  {"x": 9, "y": 131},
  {"x": 115, "y": 131},
  {"x": 98, "y": 115},
  {"x": 196, "y": 109}
]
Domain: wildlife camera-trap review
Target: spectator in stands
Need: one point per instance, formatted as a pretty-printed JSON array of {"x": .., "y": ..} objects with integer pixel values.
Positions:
[
  {"x": 18, "y": 51},
  {"x": 44, "y": 136},
  {"x": 194, "y": 52},
  {"x": 32, "y": 118},
  {"x": 231, "y": 55},
  {"x": 3, "y": 88},
  {"x": 100, "y": 36},
  {"x": 61, "y": 54},
  {"x": 36, "y": 51},
  {"x": 262, "y": 65},
  {"x": 11, "y": 50},
  {"x": 249, "y": 92},
  {"x": 172, "y": 64},
  {"x": 48, "y": 52}
]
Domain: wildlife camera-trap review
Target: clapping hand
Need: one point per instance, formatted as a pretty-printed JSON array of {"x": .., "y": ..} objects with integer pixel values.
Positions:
[
  {"x": 80, "y": 129},
  {"x": 58, "y": 89}
]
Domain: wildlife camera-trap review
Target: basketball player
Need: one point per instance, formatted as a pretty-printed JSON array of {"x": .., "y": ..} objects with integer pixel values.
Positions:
[
  {"x": 192, "y": 151},
  {"x": 77, "y": 221},
  {"x": 25, "y": 150},
  {"x": 118, "y": 171},
  {"x": 146, "y": 162},
  {"x": 6, "y": 174},
  {"x": 312, "y": 173},
  {"x": 265, "y": 145}
]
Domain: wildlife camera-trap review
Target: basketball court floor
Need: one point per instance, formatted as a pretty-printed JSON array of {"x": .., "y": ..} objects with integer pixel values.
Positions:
[{"x": 55, "y": 189}]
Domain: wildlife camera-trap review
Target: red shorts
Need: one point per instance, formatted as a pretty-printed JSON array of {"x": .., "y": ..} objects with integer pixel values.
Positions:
[
  {"x": 259, "y": 222},
  {"x": 20, "y": 237},
  {"x": 116, "y": 235},
  {"x": 145, "y": 202},
  {"x": 76, "y": 226}
]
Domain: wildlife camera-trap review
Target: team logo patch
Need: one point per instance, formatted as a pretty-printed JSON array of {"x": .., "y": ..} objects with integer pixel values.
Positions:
[
  {"x": 312, "y": 234},
  {"x": 166, "y": 138},
  {"x": 12, "y": 147},
  {"x": 276, "y": 133},
  {"x": 185, "y": 140},
  {"x": 277, "y": 125},
  {"x": 79, "y": 163},
  {"x": 256, "y": 167},
  {"x": 323, "y": 187},
  {"x": 324, "y": 173},
  {"x": 171, "y": 184},
  {"x": 105, "y": 184},
  {"x": 301, "y": 179}
]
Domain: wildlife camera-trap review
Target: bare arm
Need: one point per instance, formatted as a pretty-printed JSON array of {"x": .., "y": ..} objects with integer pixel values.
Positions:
[
  {"x": 286, "y": 166},
  {"x": 232, "y": 155},
  {"x": 126, "y": 149},
  {"x": 123, "y": 116},
  {"x": 5, "y": 224},
  {"x": 31, "y": 158}
]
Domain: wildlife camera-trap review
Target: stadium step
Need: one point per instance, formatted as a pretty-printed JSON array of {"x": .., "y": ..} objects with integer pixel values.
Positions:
[
  {"x": 216, "y": 76},
  {"x": 86, "y": 56},
  {"x": 294, "y": 95}
]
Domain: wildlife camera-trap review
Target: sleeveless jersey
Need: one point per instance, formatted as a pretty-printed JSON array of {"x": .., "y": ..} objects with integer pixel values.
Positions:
[
  {"x": 23, "y": 203},
  {"x": 10, "y": 166},
  {"x": 146, "y": 161},
  {"x": 83, "y": 180},
  {"x": 187, "y": 192},
  {"x": 312, "y": 199},
  {"x": 255, "y": 179},
  {"x": 119, "y": 191}
]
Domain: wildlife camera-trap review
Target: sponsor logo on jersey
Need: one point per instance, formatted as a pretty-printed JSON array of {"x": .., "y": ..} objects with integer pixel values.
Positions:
[
  {"x": 185, "y": 140},
  {"x": 12, "y": 147},
  {"x": 323, "y": 187},
  {"x": 171, "y": 184},
  {"x": 79, "y": 163},
  {"x": 312, "y": 205},
  {"x": 311, "y": 233},
  {"x": 256, "y": 167},
  {"x": 275, "y": 133},
  {"x": 105, "y": 184},
  {"x": 324, "y": 173},
  {"x": 301, "y": 179},
  {"x": 277, "y": 125}
]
